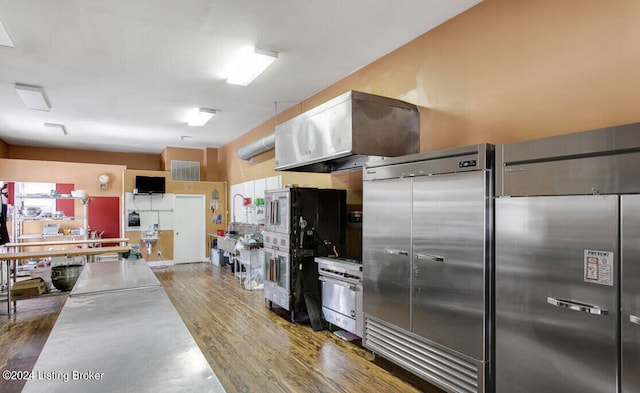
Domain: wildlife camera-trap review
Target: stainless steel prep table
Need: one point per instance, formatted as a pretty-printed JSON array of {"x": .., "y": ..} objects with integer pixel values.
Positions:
[
  {"x": 132, "y": 341},
  {"x": 114, "y": 276}
]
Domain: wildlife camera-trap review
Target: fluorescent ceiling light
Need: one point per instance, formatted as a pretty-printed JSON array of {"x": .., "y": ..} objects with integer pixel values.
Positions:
[
  {"x": 249, "y": 64},
  {"x": 5, "y": 40},
  {"x": 57, "y": 127},
  {"x": 33, "y": 97},
  {"x": 200, "y": 116}
]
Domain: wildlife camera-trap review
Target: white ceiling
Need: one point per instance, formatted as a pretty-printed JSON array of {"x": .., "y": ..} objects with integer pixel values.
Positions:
[{"x": 122, "y": 75}]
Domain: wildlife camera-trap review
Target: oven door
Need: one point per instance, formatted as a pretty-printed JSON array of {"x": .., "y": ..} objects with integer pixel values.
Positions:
[
  {"x": 277, "y": 287},
  {"x": 278, "y": 212},
  {"x": 339, "y": 296},
  {"x": 340, "y": 304}
]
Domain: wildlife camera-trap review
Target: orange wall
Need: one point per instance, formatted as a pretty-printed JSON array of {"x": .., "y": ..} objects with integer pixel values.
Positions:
[
  {"x": 131, "y": 160},
  {"x": 82, "y": 176},
  {"x": 207, "y": 157},
  {"x": 211, "y": 165},
  {"x": 165, "y": 243},
  {"x": 4, "y": 149},
  {"x": 503, "y": 71},
  {"x": 508, "y": 70},
  {"x": 180, "y": 154}
]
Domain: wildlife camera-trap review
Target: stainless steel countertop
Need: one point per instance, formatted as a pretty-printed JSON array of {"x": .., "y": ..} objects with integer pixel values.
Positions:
[
  {"x": 134, "y": 341},
  {"x": 119, "y": 275}
]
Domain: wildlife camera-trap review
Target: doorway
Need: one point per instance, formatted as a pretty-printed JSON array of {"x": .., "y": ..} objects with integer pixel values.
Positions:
[{"x": 189, "y": 229}]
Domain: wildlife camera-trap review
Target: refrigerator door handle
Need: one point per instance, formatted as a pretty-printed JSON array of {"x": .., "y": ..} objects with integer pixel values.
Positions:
[
  {"x": 431, "y": 257},
  {"x": 634, "y": 319},
  {"x": 577, "y": 306},
  {"x": 396, "y": 252}
]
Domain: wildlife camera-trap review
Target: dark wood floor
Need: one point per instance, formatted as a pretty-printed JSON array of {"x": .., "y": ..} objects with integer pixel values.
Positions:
[
  {"x": 249, "y": 347},
  {"x": 23, "y": 334}
]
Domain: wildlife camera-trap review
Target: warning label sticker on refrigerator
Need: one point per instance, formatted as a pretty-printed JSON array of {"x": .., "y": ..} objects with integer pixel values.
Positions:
[{"x": 598, "y": 267}]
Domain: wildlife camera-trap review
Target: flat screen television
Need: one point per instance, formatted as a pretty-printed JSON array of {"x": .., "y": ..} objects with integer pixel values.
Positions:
[{"x": 150, "y": 184}]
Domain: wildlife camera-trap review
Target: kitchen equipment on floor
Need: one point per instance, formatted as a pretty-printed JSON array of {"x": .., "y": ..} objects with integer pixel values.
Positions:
[
  {"x": 567, "y": 229},
  {"x": 64, "y": 277},
  {"x": 342, "y": 293},
  {"x": 301, "y": 223},
  {"x": 428, "y": 262}
]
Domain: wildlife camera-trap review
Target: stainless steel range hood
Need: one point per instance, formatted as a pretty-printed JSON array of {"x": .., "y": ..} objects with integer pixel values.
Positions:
[{"x": 345, "y": 132}]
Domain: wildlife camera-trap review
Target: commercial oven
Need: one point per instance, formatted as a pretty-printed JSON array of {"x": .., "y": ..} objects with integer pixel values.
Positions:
[
  {"x": 567, "y": 230},
  {"x": 428, "y": 264},
  {"x": 301, "y": 223},
  {"x": 342, "y": 293}
]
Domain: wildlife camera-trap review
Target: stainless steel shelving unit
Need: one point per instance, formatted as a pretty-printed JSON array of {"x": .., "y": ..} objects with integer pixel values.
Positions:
[
  {"x": 20, "y": 239},
  {"x": 18, "y": 219}
]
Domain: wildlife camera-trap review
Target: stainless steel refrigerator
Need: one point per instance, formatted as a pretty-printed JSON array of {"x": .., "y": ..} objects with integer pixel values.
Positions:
[
  {"x": 427, "y": 264},
  {"x": 567, "y": 233},
  {"x": 630, "y": 321}
]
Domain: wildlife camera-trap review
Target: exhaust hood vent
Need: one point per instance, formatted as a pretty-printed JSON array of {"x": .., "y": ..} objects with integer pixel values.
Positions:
[{"x": 345, "y": 132}]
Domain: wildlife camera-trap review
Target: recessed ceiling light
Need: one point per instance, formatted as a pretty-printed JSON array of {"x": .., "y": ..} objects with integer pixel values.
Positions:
[
  {"x": 200, "y": 116},
  {"x": 249, "y": 65},
  {"x": 59, "y": 127},
  {"x": 5, "y": 40},
  {"x": 33, "y": 97}
]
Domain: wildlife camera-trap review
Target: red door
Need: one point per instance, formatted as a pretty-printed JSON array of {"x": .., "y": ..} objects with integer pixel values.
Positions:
[{"x": 104, "y": 216}]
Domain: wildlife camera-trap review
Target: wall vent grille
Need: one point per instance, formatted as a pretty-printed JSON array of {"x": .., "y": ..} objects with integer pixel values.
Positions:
[
  {"x": 185, "y": 170},
  {"x": 445, "y": 369}
]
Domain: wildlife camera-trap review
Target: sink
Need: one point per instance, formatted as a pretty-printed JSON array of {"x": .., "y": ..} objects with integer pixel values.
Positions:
[
  {"x": 149, "y": 238},
  {"x": 227, "y": 244}
]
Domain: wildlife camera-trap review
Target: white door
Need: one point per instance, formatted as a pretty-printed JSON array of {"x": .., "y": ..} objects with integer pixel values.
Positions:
[{"x": 189, "y": 229}]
